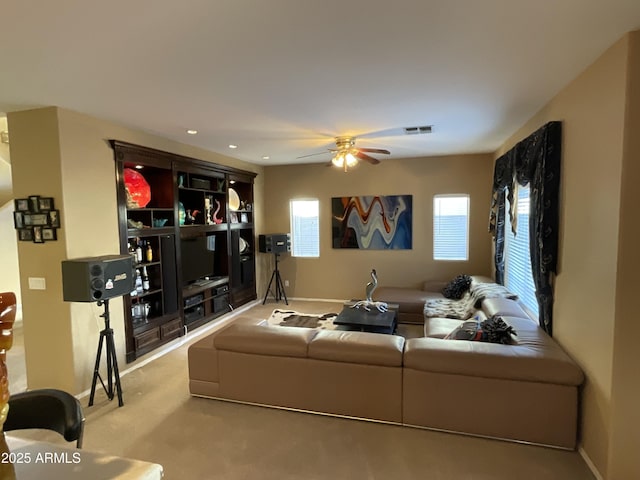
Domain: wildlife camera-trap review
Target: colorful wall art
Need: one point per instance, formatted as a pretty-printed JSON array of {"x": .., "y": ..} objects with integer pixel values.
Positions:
[{"x": 382, "y": 222}]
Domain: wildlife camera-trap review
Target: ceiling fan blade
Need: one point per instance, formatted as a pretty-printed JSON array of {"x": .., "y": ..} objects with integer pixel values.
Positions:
[
  {"x": 312, "y": 155},
  {"x": 367, "y": 158},
  {"x": 375, "y": 150}
]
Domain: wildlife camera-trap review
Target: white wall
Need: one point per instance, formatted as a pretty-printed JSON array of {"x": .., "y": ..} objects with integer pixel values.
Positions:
[{"x": 10, "y": 278}]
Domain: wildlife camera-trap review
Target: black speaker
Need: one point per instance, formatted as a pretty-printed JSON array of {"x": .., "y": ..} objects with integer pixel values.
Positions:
[
  {"x": 274, "y": 243},
  {"x": 97, "y": 278}
]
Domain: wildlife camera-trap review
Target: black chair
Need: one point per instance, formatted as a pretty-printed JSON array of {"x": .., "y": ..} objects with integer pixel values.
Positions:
[{"x": 48, "y": 409}]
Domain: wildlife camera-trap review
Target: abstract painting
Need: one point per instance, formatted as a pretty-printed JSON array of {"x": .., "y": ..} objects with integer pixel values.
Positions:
[{"x": 381, "y": 222}]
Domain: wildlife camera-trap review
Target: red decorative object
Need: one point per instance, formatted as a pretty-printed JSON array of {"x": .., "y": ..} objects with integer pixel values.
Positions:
[{"x": 138, "y": 190}]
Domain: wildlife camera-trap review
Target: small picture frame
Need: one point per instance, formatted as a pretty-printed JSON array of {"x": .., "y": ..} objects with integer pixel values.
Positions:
[
  {"x": 21, "y": 204},
  {"x": 49, "y": 234},
  {"x": 233, "y": 217},
  {"x": 34, "y": 203},
  {"x": 33, "y": 219},
  {"x": 54, "y": 218},
  {"x": 18, "y": 219},
  {"x": 244, "y": 218},
  {"x": 37, "y": 235},
  {"x": 25, "y": 234},
  {"x": 45, "y": 204}
]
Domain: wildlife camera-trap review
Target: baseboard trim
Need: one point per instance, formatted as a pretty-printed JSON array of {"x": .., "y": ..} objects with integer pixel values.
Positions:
[
  {"x": 304, "y": 299},
  {"x": 589, "y": 463}
]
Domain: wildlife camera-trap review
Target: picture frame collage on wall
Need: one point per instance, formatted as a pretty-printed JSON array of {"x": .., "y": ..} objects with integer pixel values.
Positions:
[{"x": 36, "y": 219}]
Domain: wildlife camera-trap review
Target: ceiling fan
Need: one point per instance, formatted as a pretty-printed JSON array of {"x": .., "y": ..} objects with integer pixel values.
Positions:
[{"x": 346, "y": 154}]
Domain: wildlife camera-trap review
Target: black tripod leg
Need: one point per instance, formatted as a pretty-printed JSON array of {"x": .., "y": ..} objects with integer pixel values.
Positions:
[
  {"x": 112, "y": 349},
  {"x": 96, "y": 369},
  {"x": 109, "y": 389},
  {"x": 281, "y": 288},
  {"x": 269, "y": 287}
]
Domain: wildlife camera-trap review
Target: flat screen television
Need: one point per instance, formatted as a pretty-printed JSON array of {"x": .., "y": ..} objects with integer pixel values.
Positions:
[{"x": 198, "y": 258}]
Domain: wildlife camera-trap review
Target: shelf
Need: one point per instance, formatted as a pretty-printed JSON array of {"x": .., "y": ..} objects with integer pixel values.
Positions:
[
  {"x": 202, "y": 190},
  {"x": 219, "y": 227},
  {"x": 146, "y": 294},
  {"x": 146, "y": 264},
  {"x": 240, "y": 226},
  {"x": 150, "y": 209},
  {"x": 148, "y": 231}
]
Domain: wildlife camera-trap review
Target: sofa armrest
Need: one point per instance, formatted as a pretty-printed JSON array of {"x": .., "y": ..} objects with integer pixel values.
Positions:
[{"x": 203, "y": 355}]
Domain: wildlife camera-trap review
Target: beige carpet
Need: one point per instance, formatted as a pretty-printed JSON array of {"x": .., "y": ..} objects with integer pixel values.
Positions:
[{"x": 196, "y": 438}]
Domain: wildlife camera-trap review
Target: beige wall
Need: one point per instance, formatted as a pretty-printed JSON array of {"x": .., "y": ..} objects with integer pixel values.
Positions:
[
  {"x": 10, "y": 278},
  {"x": 623, "y": 459},
  {"x": 74, "y": 164},
  {"x": 343, "y": 273},
  {"x": 35, "y": 151},
  {"x": 6, "y": 193},
  {"x": 592, "y": 109}
]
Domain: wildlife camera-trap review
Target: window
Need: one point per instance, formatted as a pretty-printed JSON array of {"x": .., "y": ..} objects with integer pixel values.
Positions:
[
  {"x": 305, "y": 231},
  {"x": 517, "y": 259},
  {"x": 451, "y": 227}
]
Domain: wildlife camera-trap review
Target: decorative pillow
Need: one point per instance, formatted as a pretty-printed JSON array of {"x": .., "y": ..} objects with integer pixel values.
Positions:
[
  {"x": 497, "y": 331},
  {"x": 457, "y": 287},
  {"x": 493, "y": 330}
]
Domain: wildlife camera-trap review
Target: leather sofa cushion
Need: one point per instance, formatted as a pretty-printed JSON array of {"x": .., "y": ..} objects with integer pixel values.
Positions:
[
  {"x": 409, "y": 300},
  {"x": 503, "y": 307},
  {"x": 265, "y": 340},
  {"x": 357, "y": 347},
  {"x": 535, "y": 357}
]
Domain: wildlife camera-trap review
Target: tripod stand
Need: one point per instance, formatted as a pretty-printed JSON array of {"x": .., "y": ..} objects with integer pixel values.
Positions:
[
  {"x": 112, "y": 361},
  {"x": 279, "y": 292}
]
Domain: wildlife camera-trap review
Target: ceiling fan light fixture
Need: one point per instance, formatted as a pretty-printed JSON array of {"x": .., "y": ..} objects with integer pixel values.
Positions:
[
  {"x": 344, "y": 159},
  {"x": 350, "y": 159}
]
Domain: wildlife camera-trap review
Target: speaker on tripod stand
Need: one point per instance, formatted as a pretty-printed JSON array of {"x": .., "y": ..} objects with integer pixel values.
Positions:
[
  {"x": 276, "y": 243},
  {"x": 98, "y": 279}
]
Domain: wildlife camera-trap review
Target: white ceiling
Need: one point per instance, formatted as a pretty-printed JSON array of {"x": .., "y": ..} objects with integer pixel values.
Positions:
[{"x": 283, "y": 77}]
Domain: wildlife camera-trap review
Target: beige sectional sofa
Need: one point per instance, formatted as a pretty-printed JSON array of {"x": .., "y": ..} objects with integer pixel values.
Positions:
[
  {"x": 527, "y": 391},
  {"x": 355, "y": 374}
]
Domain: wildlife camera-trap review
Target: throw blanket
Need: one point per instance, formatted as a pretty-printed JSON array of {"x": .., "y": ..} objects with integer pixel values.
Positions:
[{"x": 465, "y": 308}]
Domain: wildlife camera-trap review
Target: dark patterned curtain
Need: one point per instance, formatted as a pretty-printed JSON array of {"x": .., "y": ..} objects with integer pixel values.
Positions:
[{"x": 534, "y": 161}]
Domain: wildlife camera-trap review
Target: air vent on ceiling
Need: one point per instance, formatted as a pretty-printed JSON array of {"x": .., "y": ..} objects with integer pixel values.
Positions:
[{"x": 417, "y": 130}]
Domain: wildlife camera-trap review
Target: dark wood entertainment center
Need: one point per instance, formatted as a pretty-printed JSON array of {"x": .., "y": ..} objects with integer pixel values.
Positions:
[{"x": 188, "y": 215}]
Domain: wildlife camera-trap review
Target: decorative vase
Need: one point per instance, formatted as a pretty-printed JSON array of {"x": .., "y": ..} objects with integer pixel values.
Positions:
[{"x": 182, "y": 213}]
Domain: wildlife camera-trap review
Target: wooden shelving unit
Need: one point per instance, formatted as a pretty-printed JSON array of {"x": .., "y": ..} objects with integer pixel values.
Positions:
[{"x": 189, "y": 201}]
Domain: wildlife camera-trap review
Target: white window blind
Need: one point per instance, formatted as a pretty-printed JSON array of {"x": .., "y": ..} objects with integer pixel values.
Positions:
[
  {"x": 518, "y": 277},
  {"x": 305, "y": 230},
  {"x": 451, "y": 227}
]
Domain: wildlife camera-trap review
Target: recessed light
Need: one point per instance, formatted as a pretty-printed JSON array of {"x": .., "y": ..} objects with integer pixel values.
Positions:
[
  {"x": 192, "y": 132},
  {"x": 139, "y": 167},
  {"x": 265, "y": 157},
  {"x": 231, "y": 145}
]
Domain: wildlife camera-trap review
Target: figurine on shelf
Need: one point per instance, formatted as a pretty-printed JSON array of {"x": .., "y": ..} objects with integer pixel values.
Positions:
[
  {"x": 207, "y": 211},
  {"x": 190, "y": 218},
  {"x": 217, "y": 220}
]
